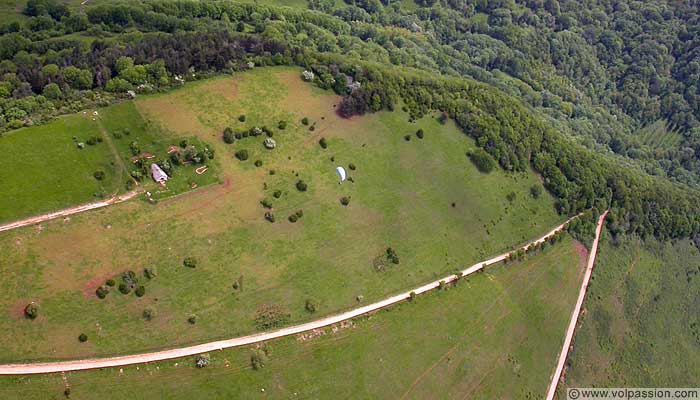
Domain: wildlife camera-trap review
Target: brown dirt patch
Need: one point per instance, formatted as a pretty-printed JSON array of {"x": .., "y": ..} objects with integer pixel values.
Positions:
[
  {"x": 17, "y": 309},
  {"x": 582, "y": 252}
]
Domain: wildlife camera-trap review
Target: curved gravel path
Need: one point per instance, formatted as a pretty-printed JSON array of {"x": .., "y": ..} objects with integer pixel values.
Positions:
[
  {"x": 68, "y": 211},
  {"x": 76, "y": 365}
]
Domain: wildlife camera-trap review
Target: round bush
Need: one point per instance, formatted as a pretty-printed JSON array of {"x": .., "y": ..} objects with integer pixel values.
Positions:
[
  {"x": 351, "y": 166},
  {"x": 242, "y": 154},
  {"x": 192, "y": 319},
  {"x": 229, "y": 136},
  {"x": 305, "y": 121},
  {"x": 293, "y": 218},
  {"x": 102, "y": 292},
  {"x": 270, "y": 216},
  {"x": 311, "y": 306},
  {"x": 148, "y": 314},
  {"x": 282, "y": 125},
  {"x": 241, "y": 118},
  {"x": 277, "y": 194},
  {"x": 82, "y": 338},
  {"x": 124, "y": 288},
  {"x": 31, "y": 311},
  {"x": 99, "y": 175},
  {"x": 323, "y": 143},
  {"x": 312, "y": 128},
  {"x": 110, "y": 282},
  {"x": 407, "y": 138},
  {"x": 419, "y": 134},
  {"x": 301, "y": 186},
  {"x": 258, "y": 163},
  {"x": 190, "y": 262},
  {"x": 345, "y": 200},
  {"x": 140, "y": 291}
]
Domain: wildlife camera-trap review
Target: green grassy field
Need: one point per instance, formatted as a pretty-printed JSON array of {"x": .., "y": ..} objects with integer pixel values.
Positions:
[
  {"x": 44, "y": 170},
  {"x": 641, "y": 326},
  {"x": 422, "y": 197},
  {"x": 495, "y": 335}
]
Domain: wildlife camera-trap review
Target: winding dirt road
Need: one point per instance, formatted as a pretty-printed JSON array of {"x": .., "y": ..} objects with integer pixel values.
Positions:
[
  {"x": 577, "y": 310},
  {"x": 68, "y": 211},
  {"x": 64, "y": 366}
]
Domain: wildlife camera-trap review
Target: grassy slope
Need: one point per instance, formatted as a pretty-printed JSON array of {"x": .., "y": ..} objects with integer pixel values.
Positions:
[
  {"x": 401, "y": 198},
  {"x": 641, "y": 327},
  {"x": 43, "y": 170},
  {"x": 495, "y": 335}
]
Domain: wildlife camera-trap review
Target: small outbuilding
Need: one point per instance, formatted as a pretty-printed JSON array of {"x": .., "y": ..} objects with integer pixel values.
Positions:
[{"x": 158, "y": 174}]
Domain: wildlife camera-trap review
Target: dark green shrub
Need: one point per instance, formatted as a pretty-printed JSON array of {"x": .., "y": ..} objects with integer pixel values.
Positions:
[
  {"x": 258, "y": 163},
  {"x": 277, "y": 194},
  {"x": 242, "y": 154},
  {"x": 192, "y": 319},
  {"x": 242, "y": 118},
  {"x": 270, "y": 216},
  {"x": 323, "y": 143},
  {"x": 407, "y": 138},
  {"x": 351, "y": 166},
  {"x": 202, "y": 361},
  {"x": 110, "y": 282},
  {"x": 99, "y": 175},
  {"x": 258, "y": 359},
  {"x": 229, "y": 136},
  {"x": 299, "y": 213},
  {"x": 82, "y": 338},
  {"x": 148, "y": 313},
  {"x": 190, "y": 262},
  {"x": 282, "y": 125},
  {"x": 419, "y": 133},
  {"x": 93, "y": 140},
  {"x": 536, "y": 191},
  {"x": 271, "y": 316},
  {"x": 102, "y": 291},
  {"x": 293, "y": 218},
  {"x": 184, "y": 143},
  {"x": 238, "y": 135},
  {"x": 140, "y": 291},
  {"x": 392, "y": 256},
  {"x": 124, "y": 288},
  {"x": 150, "y": 273},
  {"x": 301, "y": 186},
  {"x": 345, "y": 200},
  {"x": 272, "y": 172},
  {"x": 311, "y": 306},
  {"x": 266, "y": 203},
  {"x": 482, "y": 160},
  {"x": 312, "y": 128},
  {"x": 305, "y": 121},
  {"x": 31, "y": 311}
]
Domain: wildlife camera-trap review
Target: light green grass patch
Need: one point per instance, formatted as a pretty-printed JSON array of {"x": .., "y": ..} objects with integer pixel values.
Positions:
[
  {"x": 44, "y": 170},
  {"x": 494, "y": 336}
]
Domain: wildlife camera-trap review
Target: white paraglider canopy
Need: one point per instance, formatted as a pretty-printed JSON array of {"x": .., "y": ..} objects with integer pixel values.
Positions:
[{"x": 341, "y": 173}]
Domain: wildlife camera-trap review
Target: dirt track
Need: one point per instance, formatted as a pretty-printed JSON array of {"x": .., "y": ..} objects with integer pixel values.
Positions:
[
  {"x": 68, "y": 211},
  {"x": 63, "y": 366},
  {"x": 577, "y": 310}
]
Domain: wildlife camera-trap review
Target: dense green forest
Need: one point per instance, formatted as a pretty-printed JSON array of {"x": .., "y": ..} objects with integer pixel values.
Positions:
[{"x": 563, "y": 87}]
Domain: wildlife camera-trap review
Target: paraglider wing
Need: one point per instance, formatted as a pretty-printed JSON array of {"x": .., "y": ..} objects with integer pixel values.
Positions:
[{"x": 341, "y": 173}]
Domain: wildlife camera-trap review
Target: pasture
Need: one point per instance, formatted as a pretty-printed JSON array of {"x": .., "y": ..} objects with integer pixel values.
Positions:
[
  {"x": 641, "y": 324},
  {"x": 43, "y": 169},
  {"x": 494, "y": 335},
  {"x": 422, "y": 198}
]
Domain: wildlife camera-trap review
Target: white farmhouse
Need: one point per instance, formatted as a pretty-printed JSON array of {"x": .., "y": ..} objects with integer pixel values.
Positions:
[{"x": 158, "y": 174}]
